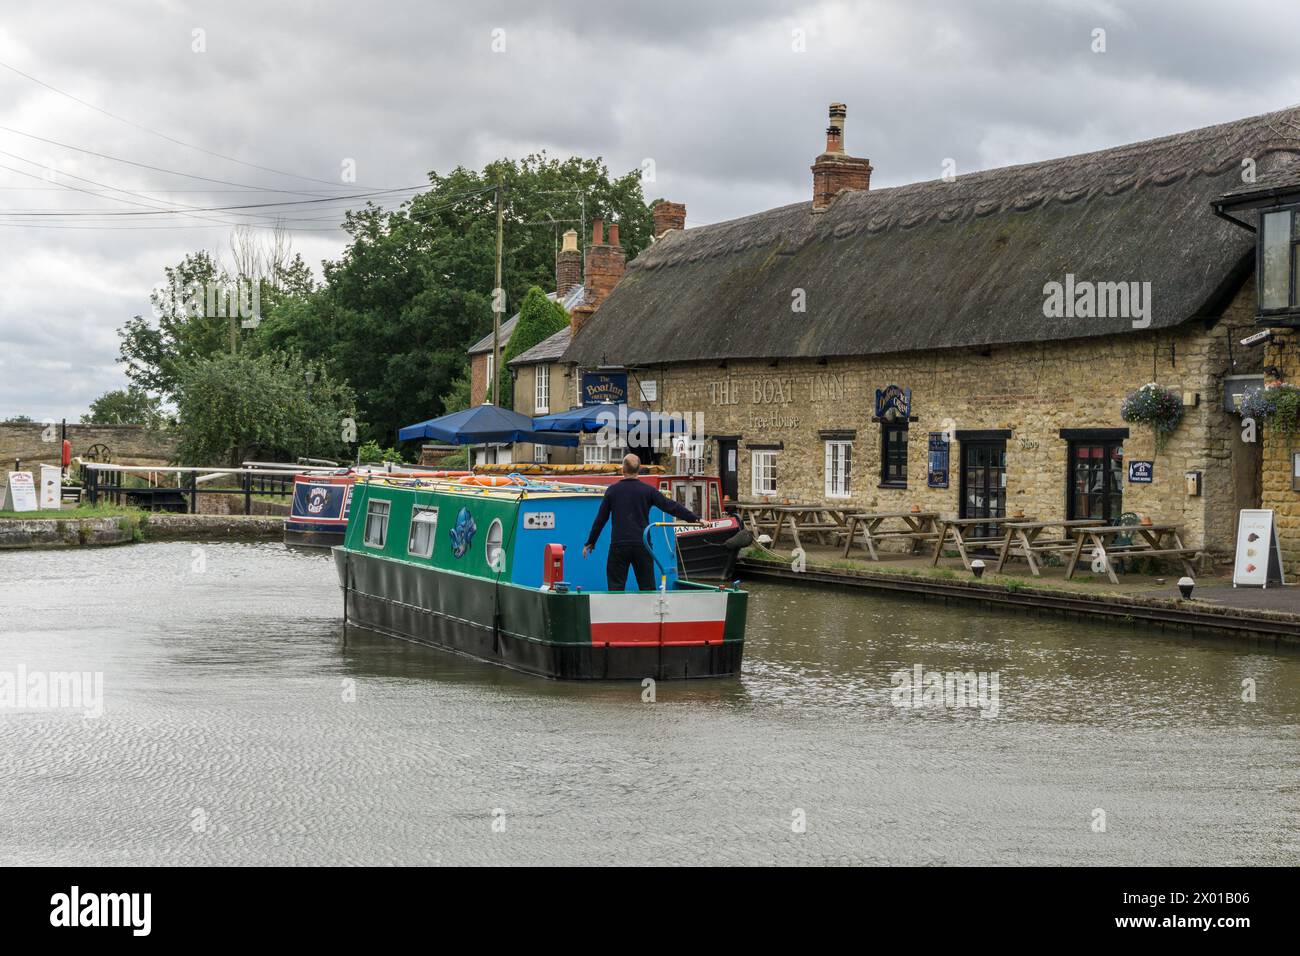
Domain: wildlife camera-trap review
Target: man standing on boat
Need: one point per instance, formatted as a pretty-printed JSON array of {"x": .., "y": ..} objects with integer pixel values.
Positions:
[{"x": 629, "y": 500}]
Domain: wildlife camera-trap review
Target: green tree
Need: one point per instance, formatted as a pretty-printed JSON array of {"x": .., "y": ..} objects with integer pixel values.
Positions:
[
  {"x": 233, "y": 408},
  {"x": 125, "y": 406},
  {"x": 456, "y": 397},
  {"x": 539, "y": 319}
]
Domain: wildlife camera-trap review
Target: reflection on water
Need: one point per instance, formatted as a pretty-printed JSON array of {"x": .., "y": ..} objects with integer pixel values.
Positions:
[{"x": 241, "y": 726}]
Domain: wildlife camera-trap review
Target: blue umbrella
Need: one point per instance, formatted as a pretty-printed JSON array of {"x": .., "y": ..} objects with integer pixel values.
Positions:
[
  {"x": 592, "y": 418},
  {"x": 481, "y": 425}
]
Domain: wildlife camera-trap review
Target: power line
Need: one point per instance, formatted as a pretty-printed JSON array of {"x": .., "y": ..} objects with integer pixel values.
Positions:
[
  {"x": 161, "y": 135},
  {"x": 156, "y": 169}
]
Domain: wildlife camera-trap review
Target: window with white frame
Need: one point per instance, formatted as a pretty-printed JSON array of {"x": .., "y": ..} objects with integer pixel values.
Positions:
[
  {"x": 487, "y": 381},
  {"x": 376, "y": 532},
  {"x": 763, "y": 465},
  {"x": 542, "y": 397},
  {"x": 839, "y": 468},
  {"x": 595, "y": 454},
  {"x": 540, "y": 454},
  {"x": 424, "y": 531}
]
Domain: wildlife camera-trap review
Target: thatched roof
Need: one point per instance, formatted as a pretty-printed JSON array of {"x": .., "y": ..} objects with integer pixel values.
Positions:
[{"x": 948, "y": 264}]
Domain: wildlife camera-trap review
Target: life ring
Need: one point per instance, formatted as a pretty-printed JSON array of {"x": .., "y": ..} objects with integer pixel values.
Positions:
[{"x": 488, "y": 481}]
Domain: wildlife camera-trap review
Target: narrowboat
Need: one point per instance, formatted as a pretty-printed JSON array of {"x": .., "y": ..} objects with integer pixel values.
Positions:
[
  {"x": 492, "y": 568},
  {"x": 318, "y": 514}
]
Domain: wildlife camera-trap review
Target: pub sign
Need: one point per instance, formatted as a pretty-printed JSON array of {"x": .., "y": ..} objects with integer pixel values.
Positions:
[
  {"x": 894, "y": 398},
  {"x": 600, "y": 387}
]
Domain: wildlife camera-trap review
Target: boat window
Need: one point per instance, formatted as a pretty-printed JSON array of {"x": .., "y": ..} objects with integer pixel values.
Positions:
[
  {"x": 424, "y": 526},
  {"x": 715, "y": 507},
  {"x": 376, "y": 523},
  {"x": 495, "y": 554}
]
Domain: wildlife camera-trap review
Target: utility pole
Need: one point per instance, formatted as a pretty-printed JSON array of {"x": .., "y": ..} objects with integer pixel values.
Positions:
[{"x": 498, "y": 297}]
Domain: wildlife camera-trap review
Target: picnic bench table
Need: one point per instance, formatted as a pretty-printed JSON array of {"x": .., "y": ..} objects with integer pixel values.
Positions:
[
  {"x": 1136, "y": 540},
  {"x": 917, "y": 526},
  {"x": 1024, "y": 539},
  {"x": 959, "y": 531},
  {"x": 772, "y": 519}
]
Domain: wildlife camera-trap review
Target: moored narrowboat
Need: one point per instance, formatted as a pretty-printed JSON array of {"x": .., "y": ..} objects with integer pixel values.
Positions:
[
  {"x": 495, "y": 571},
  {"x": 318, "y": 513}
]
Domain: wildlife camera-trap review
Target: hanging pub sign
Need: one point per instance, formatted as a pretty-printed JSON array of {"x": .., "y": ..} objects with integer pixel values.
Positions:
[
  {"x": 893, "y": 399},
  {"x": 1141, "y": 472},
  {"x": 937, "y": 476},
  {"x": 600, "y": 387}
]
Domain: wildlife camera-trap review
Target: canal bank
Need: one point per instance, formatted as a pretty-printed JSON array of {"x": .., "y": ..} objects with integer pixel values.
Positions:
[
  {"x": 71, "y": 530},
  {"x": 1269, "y": 616}
]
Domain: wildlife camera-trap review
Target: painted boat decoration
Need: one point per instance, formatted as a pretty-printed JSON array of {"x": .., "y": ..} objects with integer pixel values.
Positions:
[
  {"x": 319, "y": 514},
  {"x": 495, "y": 572}
]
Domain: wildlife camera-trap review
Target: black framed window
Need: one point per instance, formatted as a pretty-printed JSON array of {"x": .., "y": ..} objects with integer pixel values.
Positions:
[
  {"x": 893, "y": 454},
  {"x": 1278, "y": 253},
  {"x": 1095, "y": 482}
]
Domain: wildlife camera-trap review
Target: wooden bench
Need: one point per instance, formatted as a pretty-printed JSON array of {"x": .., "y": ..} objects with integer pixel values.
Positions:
[{"x": 1148, "y": 541}]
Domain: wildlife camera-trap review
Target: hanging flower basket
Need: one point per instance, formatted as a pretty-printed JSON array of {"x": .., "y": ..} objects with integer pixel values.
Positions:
[
  {"x": 1277, "y": 403},
  {"x": 1156, "y": 407}
]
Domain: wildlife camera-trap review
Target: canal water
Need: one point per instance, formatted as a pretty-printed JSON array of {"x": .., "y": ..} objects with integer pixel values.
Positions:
[{"x": 239, "y": 726}]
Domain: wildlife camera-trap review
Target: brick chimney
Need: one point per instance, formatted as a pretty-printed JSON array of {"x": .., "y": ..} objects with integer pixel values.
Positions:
[
  {"x": 668, "y": 215},
  {"x": 833, "y": 169},
  {"x": 605, "y": 263},
  {"x": 568, "y": 267}
]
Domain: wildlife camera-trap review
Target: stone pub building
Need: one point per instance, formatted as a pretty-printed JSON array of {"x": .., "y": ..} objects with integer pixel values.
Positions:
[{"x": 966, "y": 344}]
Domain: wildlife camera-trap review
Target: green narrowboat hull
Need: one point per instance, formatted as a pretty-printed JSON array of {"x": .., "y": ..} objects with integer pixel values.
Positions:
[{"x": 542, "y": 632}]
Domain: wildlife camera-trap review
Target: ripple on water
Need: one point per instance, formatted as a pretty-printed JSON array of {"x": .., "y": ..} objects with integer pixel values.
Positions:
[{"x": 228, "y": 735}]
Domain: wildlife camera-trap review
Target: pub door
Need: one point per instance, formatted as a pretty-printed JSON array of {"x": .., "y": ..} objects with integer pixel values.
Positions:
[
  {"x": 727, "y": 467},
  {"x": 984, "y": 483}
]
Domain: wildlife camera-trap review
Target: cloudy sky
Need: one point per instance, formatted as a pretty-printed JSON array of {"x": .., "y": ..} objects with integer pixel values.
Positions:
[{"x": 726, "y": 97}]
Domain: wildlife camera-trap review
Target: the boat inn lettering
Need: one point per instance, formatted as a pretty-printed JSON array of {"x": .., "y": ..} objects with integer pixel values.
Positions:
[{"x": 779, "y": 390}]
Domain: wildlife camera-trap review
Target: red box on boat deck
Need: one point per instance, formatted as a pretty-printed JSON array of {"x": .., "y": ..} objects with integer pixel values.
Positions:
[{"x": 553, "y": 565}]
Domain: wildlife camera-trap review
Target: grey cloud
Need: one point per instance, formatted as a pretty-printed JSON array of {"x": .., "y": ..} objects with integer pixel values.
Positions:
[{"x": 711, "y": 91}]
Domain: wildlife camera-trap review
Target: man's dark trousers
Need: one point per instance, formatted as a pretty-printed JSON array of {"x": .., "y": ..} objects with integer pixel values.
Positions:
[{"x": 620, "y": 556}]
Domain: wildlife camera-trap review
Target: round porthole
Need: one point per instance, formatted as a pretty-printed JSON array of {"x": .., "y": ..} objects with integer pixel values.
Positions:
[{"x": 492, "y": 550}]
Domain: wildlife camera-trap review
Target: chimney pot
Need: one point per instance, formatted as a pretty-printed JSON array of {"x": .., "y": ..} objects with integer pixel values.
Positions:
[
  {"x": 568, "y": 265},
  {"x": 613, "y": 234},
  {"x": 668, "y": 215},
  {"x": 834, "y": 171},
  {"x": 597, "y": 231}
]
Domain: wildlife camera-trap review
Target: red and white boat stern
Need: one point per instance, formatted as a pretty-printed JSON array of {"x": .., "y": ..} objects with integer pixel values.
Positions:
[{"x": 666, "y": 618}]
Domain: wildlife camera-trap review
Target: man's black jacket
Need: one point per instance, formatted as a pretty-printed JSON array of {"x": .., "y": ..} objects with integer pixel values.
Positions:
[{"x": 630, "y": 501}]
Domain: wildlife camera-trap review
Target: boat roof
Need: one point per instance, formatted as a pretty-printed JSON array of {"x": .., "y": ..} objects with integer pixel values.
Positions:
[{"x": 528, "y": 490}]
